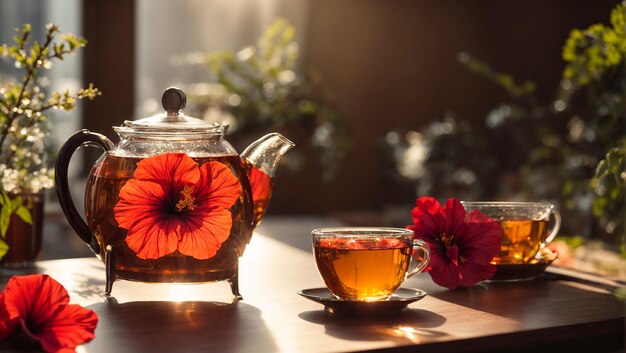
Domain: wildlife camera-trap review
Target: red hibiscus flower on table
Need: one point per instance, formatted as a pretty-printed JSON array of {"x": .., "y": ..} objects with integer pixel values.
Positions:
[
  {"x": 172, "y": 204},
  {"x": 39, "y": 307},
  {"x": 462, "y": 244}
]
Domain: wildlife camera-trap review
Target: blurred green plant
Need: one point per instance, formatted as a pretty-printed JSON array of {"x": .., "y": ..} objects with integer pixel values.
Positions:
[
  {"x": 594, "y": 87},
  {"x": 570, "y": 152},
  {"x": 261, "y": 88},
  {"x": 609, "y": 187},
  {"x": 594, "y": 52},
  {"x": 23, "y": 120}
]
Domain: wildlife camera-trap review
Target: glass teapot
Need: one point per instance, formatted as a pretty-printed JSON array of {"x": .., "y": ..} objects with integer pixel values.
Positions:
[{"x": 172, "y": 201}]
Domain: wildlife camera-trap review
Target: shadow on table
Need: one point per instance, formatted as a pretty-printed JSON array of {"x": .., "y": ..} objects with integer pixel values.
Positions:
[
  {"x": 568, "y": 312},
  {"x": 410, "y": 325},
  {"x": 88, "y": 287},
  {"x": 528, "y": 298},
  {"x": 180, "y": 326},
  {"x": 85, "y": 286},
  {"x": 7, "y": 273}
]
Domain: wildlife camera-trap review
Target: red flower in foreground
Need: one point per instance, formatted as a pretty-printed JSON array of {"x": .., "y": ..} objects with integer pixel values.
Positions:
[
  {"x": 39, "y": 306},
  {"x": 462, "y": 244},
  {"x": 172, "y": 204}
]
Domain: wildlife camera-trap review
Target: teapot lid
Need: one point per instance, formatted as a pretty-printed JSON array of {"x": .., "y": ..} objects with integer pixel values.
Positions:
[{"x": 173, "y": 120}]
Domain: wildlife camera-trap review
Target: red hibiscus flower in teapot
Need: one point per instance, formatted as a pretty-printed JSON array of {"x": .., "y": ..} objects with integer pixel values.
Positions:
[{"x": 172, "y": 201}]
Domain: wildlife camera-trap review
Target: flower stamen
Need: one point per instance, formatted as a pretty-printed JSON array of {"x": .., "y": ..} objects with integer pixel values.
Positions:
[
  {"x": 452, "y": 251},
  {"x": 186, "y": 202},
  {"x": 448, "y": 240}
]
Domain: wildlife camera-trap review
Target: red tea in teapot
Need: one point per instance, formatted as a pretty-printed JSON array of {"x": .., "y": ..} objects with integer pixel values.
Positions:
[
  {"x": 262, "y": 186},
  {"x": 157, "y": 217},
  {"x": 173, "y": 201}
]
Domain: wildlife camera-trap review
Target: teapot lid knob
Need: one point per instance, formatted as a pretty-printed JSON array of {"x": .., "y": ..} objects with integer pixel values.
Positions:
[
  {"x": 173, "y": 100},
  {"x": 173, "y": 123}
]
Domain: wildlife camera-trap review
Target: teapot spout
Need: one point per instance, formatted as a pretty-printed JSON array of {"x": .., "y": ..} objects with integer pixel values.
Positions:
[
  {"x": 261, "y": 160},
  {"x": 265, "y": 153}
]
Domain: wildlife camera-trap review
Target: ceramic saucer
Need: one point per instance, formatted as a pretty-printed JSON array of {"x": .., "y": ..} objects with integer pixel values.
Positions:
[
  {"x": 400, "y": 299},
  {"x": 523, "y": 272}
]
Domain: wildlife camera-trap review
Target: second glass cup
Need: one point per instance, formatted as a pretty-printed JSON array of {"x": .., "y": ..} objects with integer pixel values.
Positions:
[
  {"x": 367, "y": 263},
  {"x": 524, "y": 227}
]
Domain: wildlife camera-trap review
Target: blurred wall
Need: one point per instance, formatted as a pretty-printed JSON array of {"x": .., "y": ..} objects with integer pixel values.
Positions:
[
  {"x": 385, "y": 65},
  {"x": 391, "y": 64}
]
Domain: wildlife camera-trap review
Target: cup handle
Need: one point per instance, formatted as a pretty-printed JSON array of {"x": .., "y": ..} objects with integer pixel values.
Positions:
[
  {"x": 421, "y": 255},
  {"x": 555, "y": 228}
]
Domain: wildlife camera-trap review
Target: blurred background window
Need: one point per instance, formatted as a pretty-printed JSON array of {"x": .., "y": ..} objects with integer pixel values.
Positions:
[
  {"x": 169, "y": 31},
  {"x": 63, "y": 75}
]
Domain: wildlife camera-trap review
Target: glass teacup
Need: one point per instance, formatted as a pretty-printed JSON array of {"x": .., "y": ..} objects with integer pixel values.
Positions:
[
  {"x": 367, "y": 264},
  {"x": 524, "y": 225}
]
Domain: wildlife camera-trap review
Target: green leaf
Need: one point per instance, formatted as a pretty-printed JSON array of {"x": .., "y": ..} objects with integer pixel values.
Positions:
[
  {"x": 4, "y": 248},
  {"x": 5, "y": 200},
  {"x": 24, "y": 214},
  {"x": 16, "y": 203},
  {"x": 5, "y": 219}
]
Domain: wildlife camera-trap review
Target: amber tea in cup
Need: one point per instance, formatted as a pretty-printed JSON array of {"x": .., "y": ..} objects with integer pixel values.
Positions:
[
  {"x": 525, "y": 227},
  {"x": 367, "y": 264}
]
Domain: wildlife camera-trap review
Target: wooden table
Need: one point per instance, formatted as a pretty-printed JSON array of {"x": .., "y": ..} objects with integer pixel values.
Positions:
[{"x": 546, "y": 314}]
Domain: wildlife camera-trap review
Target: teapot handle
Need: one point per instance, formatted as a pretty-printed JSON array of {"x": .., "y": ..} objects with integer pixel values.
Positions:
[{"x": 81, "y": 138}]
